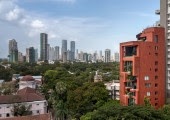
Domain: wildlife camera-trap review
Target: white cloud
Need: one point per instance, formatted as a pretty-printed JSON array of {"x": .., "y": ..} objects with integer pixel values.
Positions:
[
  {"x": 13, "y": 14},
  {"x": 37, "y": 24}
]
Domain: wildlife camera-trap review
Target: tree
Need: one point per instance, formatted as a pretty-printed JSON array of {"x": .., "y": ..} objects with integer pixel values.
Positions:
[
  {"x": 7, "y": 88},
  {"x": 21, "y": 110},
  {"x": 114, "y": 111},
  {"x": 87, "y": 98},
  {"x": 147, "y": 102}
]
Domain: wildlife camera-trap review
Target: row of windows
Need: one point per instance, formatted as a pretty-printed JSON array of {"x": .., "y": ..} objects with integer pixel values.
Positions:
[
  {"x": 9, "y": 106},
  {"x": 8, "y": 115},
  {"x": 149, "y": 93},
  {"x": 148, "y": 85},
  {"x": 147, "y": 77}
]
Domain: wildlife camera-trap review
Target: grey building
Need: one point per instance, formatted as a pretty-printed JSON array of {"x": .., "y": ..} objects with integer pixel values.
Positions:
[
  {"x": 64, "y": 49},
  {"x": 107, "y": 55},
  {"x": 30, "y": 55},
  {"x": 57, "y": 52},
  {"x": 72, "y": 49},
  {"x": 116, "y": 57},
  {"x": 13, "y": 51},
  {"x": 69, "y": 55},
  {"x": 85, "y": 57},
  {"x": 43, "y": 46},
  {"x": 165, "y": 22},
  {"x": 36, "y": 55},
  {"x": 101, "y": 54},
  {"x": 48, "y": 51},
  {"x": 64, "y": 57}
]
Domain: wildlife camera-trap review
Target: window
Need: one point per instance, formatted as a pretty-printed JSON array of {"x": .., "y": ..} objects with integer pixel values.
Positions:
[
  {"x": 156, "y": 77},
  {"x": 147, "y": 85},
  {"x": 156, "y": 98},
  {"x": 0, "y": 115},
  {"x": 156, "y": 70},
  {"x": 156, "y": 39},
  {"x": 38, "y": 111},
  {"x": 7, "y": 115},
  {"x": 156, "y": 62},
  {"x": 37, "y": 104},
  {"x": 7, "y": 107},
  {"x": 156, "y": 104},
  {"x": 156, "y": 84},
  {"x": 148, "y": 93},
  {"x": 156, "y": 47},
  {"x": 146, "y": 78},
  {"x": 156, "y": 92},
  {"x": 156, "y": 54}
]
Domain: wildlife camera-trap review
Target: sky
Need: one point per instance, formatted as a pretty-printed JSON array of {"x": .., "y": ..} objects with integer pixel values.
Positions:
[{"x": 93, "y": 24}]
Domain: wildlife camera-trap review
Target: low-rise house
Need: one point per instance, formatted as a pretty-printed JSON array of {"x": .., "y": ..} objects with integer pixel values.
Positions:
[
  {"x": 114, "y": 88},
  {"x": 97, "y": 77},
  {"x": 27, "y": 81},
  {"x": 26, "y": 96}
]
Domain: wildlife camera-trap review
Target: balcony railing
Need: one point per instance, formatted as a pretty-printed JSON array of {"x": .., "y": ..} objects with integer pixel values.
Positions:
[{"x": 131, "y": 77}]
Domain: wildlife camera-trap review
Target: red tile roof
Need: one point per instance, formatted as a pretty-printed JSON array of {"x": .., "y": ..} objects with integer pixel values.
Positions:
[
  {"x": 35, "y": 117},
  {"x": 29, "y": 97},
  {"x": 26, "y": 90},
  {"x": 27, "y": 78}
]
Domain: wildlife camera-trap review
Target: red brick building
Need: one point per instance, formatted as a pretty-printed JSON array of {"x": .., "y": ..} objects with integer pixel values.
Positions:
[{"x": 142, "y": 68}]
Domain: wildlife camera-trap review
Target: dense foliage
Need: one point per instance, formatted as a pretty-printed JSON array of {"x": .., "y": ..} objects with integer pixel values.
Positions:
[
  {"x": 84, "y": 70},
  {"x": 113, "y": 111},
  {"x": 72, "y": 94}
]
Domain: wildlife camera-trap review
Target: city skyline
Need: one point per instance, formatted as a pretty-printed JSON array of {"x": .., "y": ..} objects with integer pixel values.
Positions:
[{"x": 84, "y": 26}]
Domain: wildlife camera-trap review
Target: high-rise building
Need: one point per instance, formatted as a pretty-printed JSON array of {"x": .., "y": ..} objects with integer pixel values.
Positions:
[
  {"x": 72, "y": 49},
  {"x": 43, "y": 46},
  {"x": 36, "y": 55},
  {"x": 57, "y": 52},
  {"x": 52, "y": 55},
  {"x": 101, "y": 55},
  {"x": 20, "y": 57},
  {"x": 107, "y": 56},
  {"x": 64, "y": 57},
  {"x": 165, "y": 22},
  {"x": 85, "y": 57},
  {"x": 48, "y": 51},
  {"x": 142, "y": 69},
  {"x": 69, "y": 55},
  {"x": 64, "y": 49},
  {"x": 77, "y": 54},
  {"x": 81, "y": 56},
  {"x": 30, "y": 55},
  {"x": 13, "y": 51},
  {"x": 116, "y": 57}
]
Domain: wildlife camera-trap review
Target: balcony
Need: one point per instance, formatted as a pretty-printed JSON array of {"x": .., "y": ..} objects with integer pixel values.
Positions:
[
  {"x": 128, "y": 67},
  {"x": 130, "y": 51},
  {"x": 128, "y": 85},
  {"x": 131, "y": 78}
]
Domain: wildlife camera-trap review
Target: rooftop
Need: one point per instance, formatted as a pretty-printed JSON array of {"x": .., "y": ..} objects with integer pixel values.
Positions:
[
  {"x": 26, "y": 91},
  {"x": 27, "y": 78},
  {"x": 20, "y": 98}
]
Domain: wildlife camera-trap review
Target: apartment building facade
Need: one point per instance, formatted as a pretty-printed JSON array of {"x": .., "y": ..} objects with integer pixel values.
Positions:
[{"x": 142, "y": 69}]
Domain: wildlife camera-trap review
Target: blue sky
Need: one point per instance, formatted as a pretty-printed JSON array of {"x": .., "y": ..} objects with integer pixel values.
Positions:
[{"x": 93, "y": 24}]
